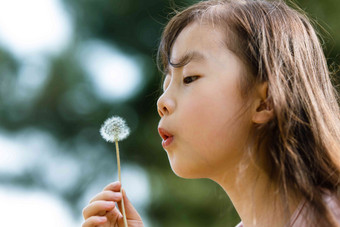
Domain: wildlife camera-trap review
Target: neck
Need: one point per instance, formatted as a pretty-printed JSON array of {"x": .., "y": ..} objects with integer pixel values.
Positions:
[{"x": 256, "y": 200}]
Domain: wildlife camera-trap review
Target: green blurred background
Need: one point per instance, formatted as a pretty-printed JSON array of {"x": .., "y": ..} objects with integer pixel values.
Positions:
[{"x": 67, "y": 65}]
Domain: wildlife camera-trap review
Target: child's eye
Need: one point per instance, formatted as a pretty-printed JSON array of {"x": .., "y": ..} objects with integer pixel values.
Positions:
[{"x": 190, "y": 79}]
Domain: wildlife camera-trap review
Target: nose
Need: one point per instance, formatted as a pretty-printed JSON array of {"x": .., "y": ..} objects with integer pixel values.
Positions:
[{"x": 165, "y": 105}]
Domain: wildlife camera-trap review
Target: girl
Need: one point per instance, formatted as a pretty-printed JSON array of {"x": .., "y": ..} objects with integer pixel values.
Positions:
[{"x": 247, "y": 102}]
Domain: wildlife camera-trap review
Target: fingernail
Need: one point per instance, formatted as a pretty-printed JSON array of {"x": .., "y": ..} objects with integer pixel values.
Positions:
[{"x": 118, "y": 196}]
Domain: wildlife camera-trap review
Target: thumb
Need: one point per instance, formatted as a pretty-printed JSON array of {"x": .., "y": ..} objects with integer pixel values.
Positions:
[{"x": 131, "y": 212}]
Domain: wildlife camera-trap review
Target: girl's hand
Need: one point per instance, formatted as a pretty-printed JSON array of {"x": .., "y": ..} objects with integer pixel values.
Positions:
[{"x": 102, "y": 212}]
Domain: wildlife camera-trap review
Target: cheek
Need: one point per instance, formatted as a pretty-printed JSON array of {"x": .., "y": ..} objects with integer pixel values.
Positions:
[
  {"x": 214, "y": 108},
  {"x": 212, "y": 120},
  {"x": 202, "y": 118}
]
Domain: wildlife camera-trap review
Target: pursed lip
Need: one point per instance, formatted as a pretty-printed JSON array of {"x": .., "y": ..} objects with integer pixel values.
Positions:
[{"x": 164, "y": 134}]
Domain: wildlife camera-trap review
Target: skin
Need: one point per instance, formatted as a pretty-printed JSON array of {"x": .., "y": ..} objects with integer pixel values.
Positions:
[
  {"x": 202, "y": 108},
  {"x": 200, "y": 105},
  {"x": 102, "y": 212}
]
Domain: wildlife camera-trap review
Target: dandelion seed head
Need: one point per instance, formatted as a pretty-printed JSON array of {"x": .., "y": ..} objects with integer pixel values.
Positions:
[{"x": 114, "y": 128}]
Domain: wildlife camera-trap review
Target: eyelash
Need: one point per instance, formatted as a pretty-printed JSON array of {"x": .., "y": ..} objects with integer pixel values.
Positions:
[{"x": 186, "y": 78}]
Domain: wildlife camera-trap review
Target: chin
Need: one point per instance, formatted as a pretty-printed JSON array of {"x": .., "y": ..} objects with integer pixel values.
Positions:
[{"x": 185, "y": 172}]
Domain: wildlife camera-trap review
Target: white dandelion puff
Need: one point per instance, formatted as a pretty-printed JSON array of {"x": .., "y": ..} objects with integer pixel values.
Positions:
[{"x": 114, "y": 128}]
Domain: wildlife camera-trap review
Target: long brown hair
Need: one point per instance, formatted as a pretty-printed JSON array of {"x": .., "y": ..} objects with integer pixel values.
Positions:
[{"x": 301, "y": 144}]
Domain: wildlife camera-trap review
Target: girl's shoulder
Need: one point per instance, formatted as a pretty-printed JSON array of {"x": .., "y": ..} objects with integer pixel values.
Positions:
[
  {"x": 333, "y": 203},
  {"x": 298, "y": 218},
  {"x": 239, "y": 225}
]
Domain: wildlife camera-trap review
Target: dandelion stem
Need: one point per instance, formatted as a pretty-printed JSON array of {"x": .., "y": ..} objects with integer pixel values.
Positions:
[{"x": 120, "y": 180}]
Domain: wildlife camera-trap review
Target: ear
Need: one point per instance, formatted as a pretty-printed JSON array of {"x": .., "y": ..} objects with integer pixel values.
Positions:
[{"x": 263, "y": 109}]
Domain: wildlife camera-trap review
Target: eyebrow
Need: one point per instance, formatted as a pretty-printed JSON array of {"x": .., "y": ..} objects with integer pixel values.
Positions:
[{"x": 188, "y": 57}]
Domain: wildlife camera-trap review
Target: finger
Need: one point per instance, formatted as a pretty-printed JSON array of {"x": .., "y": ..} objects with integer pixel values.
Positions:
[
  {"x": 114, "y": 215},
  {"x": 94, "y": 220},
  {"x": 130, "y": 211},
  {"x": 114, "y": 186},
  {"x": 107, "y": 196},
  {"x": 96, "y": 207}
]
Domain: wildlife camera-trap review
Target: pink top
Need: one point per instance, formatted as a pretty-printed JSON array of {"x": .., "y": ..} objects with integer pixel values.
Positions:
[{"x": 297, "y": 219}]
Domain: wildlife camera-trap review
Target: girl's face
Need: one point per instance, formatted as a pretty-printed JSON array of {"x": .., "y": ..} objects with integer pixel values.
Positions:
[{"x": 201, "y": 105}]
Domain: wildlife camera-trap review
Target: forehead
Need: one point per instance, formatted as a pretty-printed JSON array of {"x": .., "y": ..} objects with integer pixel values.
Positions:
[
  {"x": 197, "y": 42},
  {"x": 190, "y": 56}
]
